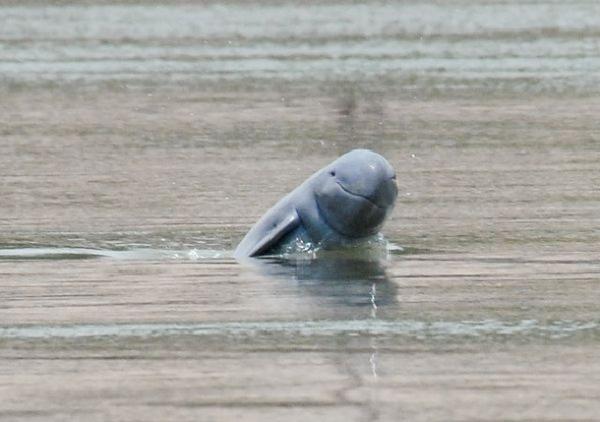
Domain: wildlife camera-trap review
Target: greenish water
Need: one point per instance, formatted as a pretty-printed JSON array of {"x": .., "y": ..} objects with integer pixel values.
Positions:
[{"x": 140, "y": 141}]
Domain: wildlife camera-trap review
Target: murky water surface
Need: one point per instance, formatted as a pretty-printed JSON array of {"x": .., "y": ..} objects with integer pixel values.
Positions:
[{"x": 139, "y": 142}]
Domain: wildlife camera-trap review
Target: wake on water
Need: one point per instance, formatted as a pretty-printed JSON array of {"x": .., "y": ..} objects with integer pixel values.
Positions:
[
  {"x": 132, "y": 254},
  {"x": 376, "y": 248}
]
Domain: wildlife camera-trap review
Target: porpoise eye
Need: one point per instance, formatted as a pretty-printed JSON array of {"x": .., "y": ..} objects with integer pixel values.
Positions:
[{"x": 332, "y": 172}]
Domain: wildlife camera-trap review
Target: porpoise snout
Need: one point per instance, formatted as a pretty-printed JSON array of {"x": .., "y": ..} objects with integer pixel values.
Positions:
[
  {"x": 386, "y": 192},
  {"x": 367, "y": 174}
]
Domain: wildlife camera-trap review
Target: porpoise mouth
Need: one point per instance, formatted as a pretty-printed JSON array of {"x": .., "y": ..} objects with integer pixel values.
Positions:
[{"x": 360, "y": 196}]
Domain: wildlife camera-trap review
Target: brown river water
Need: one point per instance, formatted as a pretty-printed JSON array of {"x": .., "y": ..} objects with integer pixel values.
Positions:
[{"x": 139, "y": 141}]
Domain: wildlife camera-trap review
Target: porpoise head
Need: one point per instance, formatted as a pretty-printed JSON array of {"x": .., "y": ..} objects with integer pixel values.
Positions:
[{"x": 356, "y": 192}]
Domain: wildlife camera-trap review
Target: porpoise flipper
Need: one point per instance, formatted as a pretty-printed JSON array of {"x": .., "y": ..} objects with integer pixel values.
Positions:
[{"x": 267, "y": 233}]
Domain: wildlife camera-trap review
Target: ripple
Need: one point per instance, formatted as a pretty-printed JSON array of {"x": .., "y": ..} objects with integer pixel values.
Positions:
[
  {"x": 410, "y": 328},
  {"x": 54, "y": 253}
]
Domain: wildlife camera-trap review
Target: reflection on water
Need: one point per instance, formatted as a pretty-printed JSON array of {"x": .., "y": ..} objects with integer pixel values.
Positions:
[{"x": 343, "y": 280}]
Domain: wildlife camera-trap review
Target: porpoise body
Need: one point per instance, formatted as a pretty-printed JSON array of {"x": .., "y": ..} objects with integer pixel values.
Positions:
[{"x": 345, "y": 201}]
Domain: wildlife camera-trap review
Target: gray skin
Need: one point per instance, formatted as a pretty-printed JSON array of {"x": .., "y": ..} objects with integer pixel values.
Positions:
[{"x": 345, "y": 201}]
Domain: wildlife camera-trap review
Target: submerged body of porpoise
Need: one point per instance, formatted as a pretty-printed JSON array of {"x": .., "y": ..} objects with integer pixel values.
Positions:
[{"x": 346, "y": 201}]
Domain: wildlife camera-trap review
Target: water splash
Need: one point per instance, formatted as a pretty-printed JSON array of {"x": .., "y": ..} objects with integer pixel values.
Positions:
[
  {"x": 376, "y": 247},
  {"x": 373, "y": 293},
  {"x": 373, "y": 362},
  {"x": 301, "y": 248}
]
